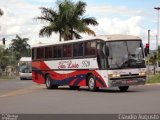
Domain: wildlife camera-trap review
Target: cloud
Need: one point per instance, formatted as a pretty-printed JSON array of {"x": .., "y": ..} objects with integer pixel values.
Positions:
[
  {"x": 18, "y": 19},
  {"x": 46, "y": 1},
  {"x": 122, "y": 20},
  {"x": 120, "y": 26},
  {"x": 113, "y": 10}
]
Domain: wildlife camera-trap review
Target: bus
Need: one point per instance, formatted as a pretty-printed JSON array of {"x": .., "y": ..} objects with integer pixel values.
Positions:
[
  {"x": 25, "y": 68},
  {"x": 99, "y": 62}
]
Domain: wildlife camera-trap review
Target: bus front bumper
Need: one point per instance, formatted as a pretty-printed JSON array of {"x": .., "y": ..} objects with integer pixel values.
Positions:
[
  {"x": 25, "y": 75},
  {"x": 127, "y": 81}
]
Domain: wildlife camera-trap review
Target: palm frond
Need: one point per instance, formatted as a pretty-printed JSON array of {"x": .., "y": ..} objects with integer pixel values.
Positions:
[
  {"x": 47, "y": 30},
  {"x": 44, "y": 18},
  {"x": 48, "y": 11},
  {"x": 89, "y": 31},
  {"x": 18, "y": 37},
  {"x": 90, "y": 21},
  {"x": 76, "y": 35},
  {"x": 80, "y": 8}
]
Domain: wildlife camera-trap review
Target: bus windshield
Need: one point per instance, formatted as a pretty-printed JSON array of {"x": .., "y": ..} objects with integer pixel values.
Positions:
[
  {"x": 25, "y": 67},
  {"x": 125, "y": 54}
]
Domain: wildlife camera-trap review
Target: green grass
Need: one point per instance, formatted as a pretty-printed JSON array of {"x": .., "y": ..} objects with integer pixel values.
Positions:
[
  {"x": 154, "y": 79},
  {"x": 7, "y": 77}
]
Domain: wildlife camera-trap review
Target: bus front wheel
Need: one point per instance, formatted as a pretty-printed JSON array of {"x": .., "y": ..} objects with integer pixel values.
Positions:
[
  {"x": 92, "y": 83},
  {"x": 123, "y": 88},
  {"x": 49, "y": 83}
]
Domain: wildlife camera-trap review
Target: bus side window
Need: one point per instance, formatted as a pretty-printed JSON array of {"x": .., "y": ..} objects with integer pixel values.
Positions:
[
  {"x": 40, "y": 53},
  {"x": 67, "y": 50},
  {"x": 87, "y": 48},
  {"x": 101, "y": 57},
  {"x": 54, "y": 51},
  {"x": 48, "y": 52},
  {"x": 81, "y": 48},
  {"x": 78, "y": 49},
  {"x": 75, "y": 49},
  {"x": 57, "y": 51},
  {"x": 90, "y": 48},
  {"x": 59, "y": 54},
  {"x": 33, "y": 53}
]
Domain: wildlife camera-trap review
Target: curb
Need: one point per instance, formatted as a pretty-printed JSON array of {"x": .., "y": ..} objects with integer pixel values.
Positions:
[{"x": 152, "y": 84}]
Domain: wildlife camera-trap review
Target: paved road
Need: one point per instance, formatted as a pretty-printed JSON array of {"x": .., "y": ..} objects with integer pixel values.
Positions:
[
  {"x": 12, "y": 85},
  {"x": 18, "y": 96}
]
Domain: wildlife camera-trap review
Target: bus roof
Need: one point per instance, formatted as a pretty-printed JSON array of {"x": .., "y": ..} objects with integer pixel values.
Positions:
[
  {"x": 25, "y": 59},
  {"x": 102, "y": 37}
]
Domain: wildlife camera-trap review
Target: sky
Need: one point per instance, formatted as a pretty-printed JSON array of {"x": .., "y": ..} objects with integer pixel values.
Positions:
[{"x": 131, "y": 17}]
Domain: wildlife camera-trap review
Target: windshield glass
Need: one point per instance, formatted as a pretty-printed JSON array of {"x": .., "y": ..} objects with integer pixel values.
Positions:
[
  {"x": 25, "y": 67},
  {"x": 125, "y": 54}
]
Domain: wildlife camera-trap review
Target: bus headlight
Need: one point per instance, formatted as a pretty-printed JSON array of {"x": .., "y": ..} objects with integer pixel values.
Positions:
[
  {"x": 142, "y": 73},
  {"x": 114, "y": 75}
]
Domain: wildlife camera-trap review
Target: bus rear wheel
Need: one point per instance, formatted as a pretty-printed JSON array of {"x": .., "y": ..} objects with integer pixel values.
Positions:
[
  {"x": 49, "y": 83},
  {"x": 92, "y": 83},
  {"x": 123, "y": 88}
]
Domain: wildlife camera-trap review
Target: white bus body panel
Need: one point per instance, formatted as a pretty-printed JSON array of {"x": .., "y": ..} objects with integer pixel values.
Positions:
[{"x": 88, "y": 63}]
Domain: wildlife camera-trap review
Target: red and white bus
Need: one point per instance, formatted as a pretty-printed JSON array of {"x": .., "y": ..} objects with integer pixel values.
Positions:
[{"x": 99, "y": 62}]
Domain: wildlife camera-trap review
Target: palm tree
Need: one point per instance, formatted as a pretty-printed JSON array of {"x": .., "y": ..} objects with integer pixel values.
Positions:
[
  {"x": 20, "y": 46},
  {"x": 68, "y": 20},
  {"x": 54, "y": 24},
  {"x": 76, "y": 22}
]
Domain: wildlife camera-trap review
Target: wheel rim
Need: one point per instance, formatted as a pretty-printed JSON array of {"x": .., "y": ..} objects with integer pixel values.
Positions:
[
  {"x": 48, "y": 82},
  {"x": 91, "y": 83}
]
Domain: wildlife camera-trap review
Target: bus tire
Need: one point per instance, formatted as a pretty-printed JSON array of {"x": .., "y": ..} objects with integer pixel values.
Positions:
[
  {"x": 92, "y": 83},
  {"x": 49, "y": 83},
  {"x": 74, "y": 87},
  {"x": 123, "y": 88}
]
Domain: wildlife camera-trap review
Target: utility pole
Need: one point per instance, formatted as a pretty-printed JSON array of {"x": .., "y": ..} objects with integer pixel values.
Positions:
[
  {"x": 157, "y": 8},
  {"x": 148, "y": 52}
]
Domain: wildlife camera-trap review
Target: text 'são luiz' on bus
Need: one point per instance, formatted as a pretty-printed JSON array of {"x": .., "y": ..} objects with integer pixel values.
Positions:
[{"x": 98, "y": 62}]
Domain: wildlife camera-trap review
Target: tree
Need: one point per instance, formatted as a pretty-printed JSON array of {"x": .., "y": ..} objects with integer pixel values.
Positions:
[
  {"x": 75, "y": 21},
  {"x": 20, "y": 47},
  {"x": 54, "y": 24},
  {"x": 155, "y": 57},
  {"x": 4, "y": 59},
  {"x": 67, "y": 20}
]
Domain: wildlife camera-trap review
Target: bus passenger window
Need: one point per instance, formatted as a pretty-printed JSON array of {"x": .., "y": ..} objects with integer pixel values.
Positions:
[
  {"x": 67, "y": 50},
  {"x": 78, "y": 49},
  {"x": 81, "y": 46},
  {"x": 48, "y": 52},
  {"x": 75, "y": 49},
  {"x": 57, "y": 51},
  {"x": 90, "y": 48},
  {"x": 34, "y": 54},
  {"x": 40, "y": 53}
]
